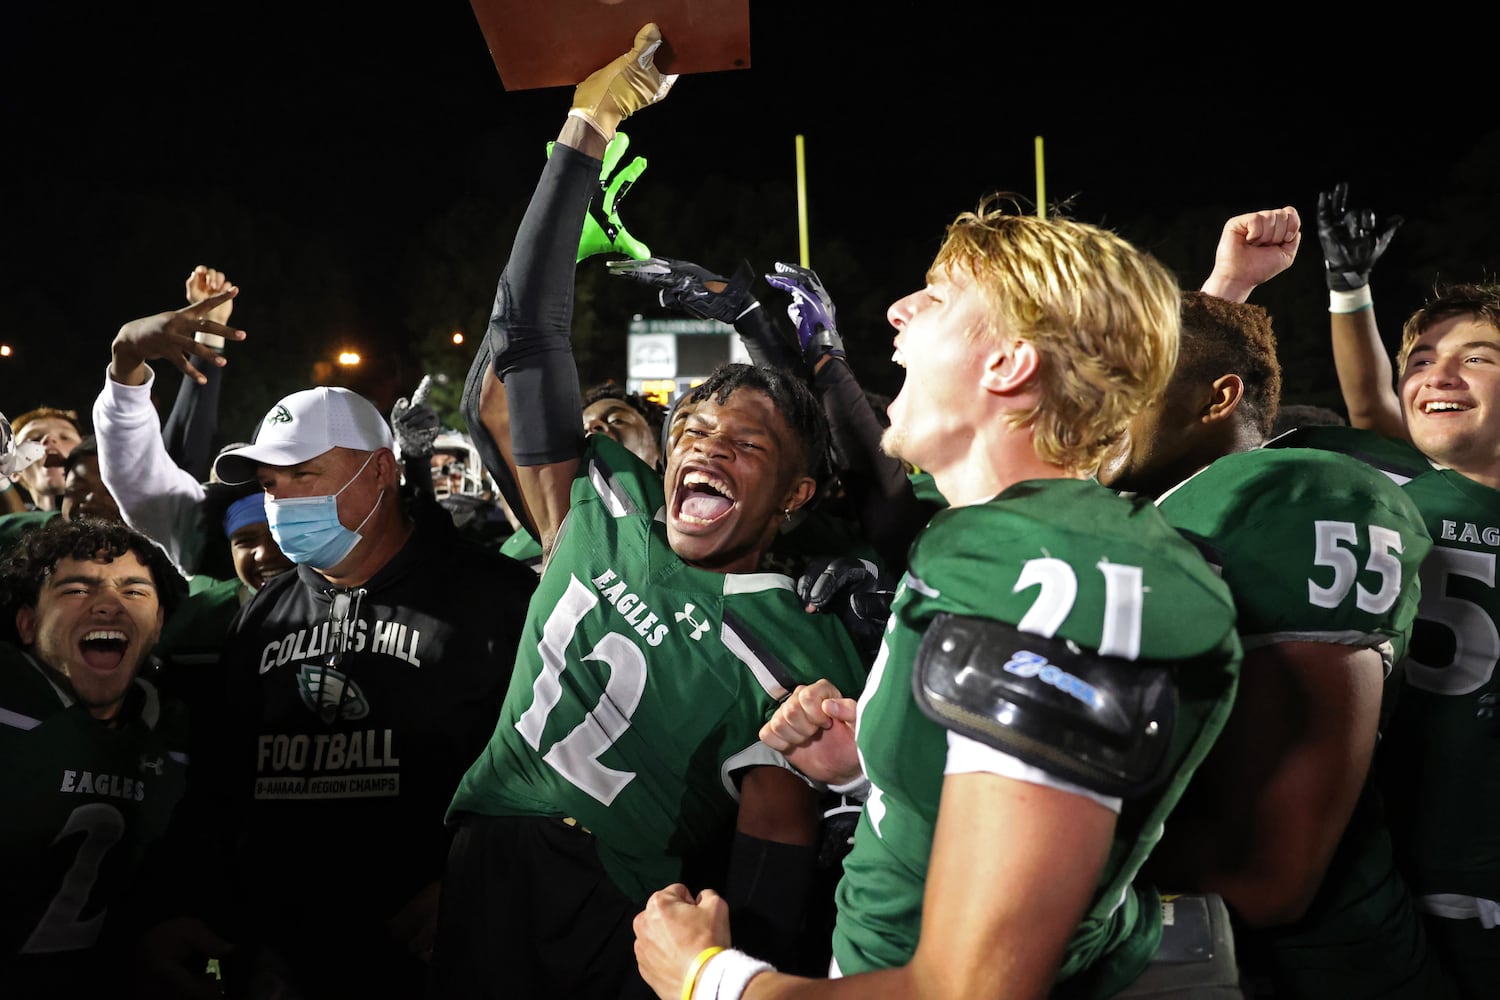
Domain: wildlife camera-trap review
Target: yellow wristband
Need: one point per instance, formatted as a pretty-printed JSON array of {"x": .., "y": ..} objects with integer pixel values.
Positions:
[{"x": 696, "y": 969}]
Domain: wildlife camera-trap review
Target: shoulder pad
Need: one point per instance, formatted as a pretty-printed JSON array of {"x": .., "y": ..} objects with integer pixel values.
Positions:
[{"x": 1101, "y": 722}]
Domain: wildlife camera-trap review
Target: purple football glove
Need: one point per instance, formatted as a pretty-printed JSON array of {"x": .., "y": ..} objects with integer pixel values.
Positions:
[{"x": 810, "y": 309}]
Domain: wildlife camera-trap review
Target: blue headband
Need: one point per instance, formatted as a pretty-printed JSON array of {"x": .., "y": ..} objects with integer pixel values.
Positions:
[{"x": 245, "y": 510}]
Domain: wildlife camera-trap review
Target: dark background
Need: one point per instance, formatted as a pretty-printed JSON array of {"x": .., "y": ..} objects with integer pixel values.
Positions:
[{"x": 360, "y": 171}]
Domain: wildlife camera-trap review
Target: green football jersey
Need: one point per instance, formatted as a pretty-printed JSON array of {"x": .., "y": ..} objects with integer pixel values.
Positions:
[
  {"x": 1397, "y": 459},
  {"x": 1315, "y": 546},
  {"x": 523, "y": 547},
  {"x": 83, "y": 801},
  {"x": 642, "y": 682},
  {"x": 1318, "y": 546},
  {"x": 1057, "y": 557},
  {"x": 13, "y": 526},
  {"x": 923, "y": 486},
  {"x": 1441, "y": 759}
]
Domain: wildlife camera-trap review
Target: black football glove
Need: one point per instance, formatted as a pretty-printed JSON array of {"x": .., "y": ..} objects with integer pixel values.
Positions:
[
  {"x": 414, "y": 424},
  {"x": 856, "y": 591},
  {"x": 684, "y": 286},
  {"x": 1352, "y": 240}
]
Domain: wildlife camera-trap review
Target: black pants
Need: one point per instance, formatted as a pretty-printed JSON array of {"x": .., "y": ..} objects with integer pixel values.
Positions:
[{"x": 528, "y": 911}]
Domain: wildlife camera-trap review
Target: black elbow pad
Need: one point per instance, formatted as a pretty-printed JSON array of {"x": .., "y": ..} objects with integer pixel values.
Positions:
[{"x": 1097, "y": 721}]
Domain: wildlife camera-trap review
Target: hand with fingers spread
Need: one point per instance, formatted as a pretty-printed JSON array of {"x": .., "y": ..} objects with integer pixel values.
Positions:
[
  {"x": 814, "y": 730},
  {"x": 699, "y": 292},
  {"x": 692, "y": 288},
  {"x": 1253, "y": 248},
  {"x": 172, "y": 336},
  {"x": 603, "y": 230},
  {"x": 1353, "y": 240},
  {"x": 811, "y": 309}
]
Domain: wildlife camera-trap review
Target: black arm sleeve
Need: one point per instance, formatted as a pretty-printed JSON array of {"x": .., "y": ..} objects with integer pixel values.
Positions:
[
  {"x": 484, "y": 441},
  {"x": 528, "y": 334},
  {"x": 765, "y": 342},
  {"x": 417, "y": 471},
  {"x": 767, "y": 896},
  {"x": 192, "y": 426},
  {"x": 890, "y": 513}
]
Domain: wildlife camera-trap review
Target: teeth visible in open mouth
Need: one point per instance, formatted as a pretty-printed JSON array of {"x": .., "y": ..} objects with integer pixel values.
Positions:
[
  {"x": 1443, "y": 407},
  {"x": 104, "y": 635},
  {"x": 898, "y": 357},
  {"x": 702, "y": 479}
]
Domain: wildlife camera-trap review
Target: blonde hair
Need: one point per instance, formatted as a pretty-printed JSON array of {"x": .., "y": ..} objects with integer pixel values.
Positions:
[{"x": 1103, "y": 316}]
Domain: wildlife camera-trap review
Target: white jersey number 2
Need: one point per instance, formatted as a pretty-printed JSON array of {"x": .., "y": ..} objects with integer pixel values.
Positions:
[{"x": 576, "y": 755}]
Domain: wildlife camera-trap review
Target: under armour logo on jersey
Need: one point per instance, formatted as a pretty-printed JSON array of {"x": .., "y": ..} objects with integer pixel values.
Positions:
[
  {"x": 152, "y": 764},
  {"x": 686, "y": 615},
  {"x": 280, "y": 415}
]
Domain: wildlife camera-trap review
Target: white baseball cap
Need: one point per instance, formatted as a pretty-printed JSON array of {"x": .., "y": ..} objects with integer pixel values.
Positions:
[{"x": 303, "y": 426}]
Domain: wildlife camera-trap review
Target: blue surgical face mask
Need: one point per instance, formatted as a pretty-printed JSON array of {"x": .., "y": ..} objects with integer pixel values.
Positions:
[{"x": 308, "y": 528}]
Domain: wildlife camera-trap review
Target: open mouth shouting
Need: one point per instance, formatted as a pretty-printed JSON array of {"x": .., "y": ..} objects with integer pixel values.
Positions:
[
  {"x": 102, "y": 650},
  {"x": 701, "y": 500}
]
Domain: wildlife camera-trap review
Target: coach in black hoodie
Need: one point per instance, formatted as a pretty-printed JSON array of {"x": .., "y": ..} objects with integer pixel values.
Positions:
[{"x": 356, "y": 692}]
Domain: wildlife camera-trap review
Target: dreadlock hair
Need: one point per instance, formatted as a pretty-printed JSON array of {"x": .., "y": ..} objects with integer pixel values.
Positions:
[{"x": 790, "y": 396}]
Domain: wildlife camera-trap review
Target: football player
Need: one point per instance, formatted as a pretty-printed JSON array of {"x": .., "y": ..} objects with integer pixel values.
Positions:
[
  {"x": 627, "y": 753},
  {"x": 1057, "y": 661}
]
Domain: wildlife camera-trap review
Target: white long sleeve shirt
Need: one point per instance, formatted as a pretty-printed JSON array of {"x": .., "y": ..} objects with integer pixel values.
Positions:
[{"x": 157, "y": 497}]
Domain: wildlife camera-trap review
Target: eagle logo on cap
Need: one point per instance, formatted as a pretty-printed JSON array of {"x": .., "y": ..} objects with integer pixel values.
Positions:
[{"x": 280, "y": 415}]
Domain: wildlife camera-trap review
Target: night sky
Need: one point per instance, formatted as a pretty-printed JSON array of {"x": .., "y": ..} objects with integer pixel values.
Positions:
[{"x": 309, "y": 148}]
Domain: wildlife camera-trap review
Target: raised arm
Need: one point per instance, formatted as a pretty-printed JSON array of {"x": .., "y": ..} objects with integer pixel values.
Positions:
[
  {"x": 528, "y": 335},
  {"x": 415, "y": 426},
  {"x": 1253, "y": 248},
  {"x": 890, "y": 513},
  {"x": 1352, "y": 242},
  {"x": 156, "y": 495},
  {"x": 193, "y": 425}
]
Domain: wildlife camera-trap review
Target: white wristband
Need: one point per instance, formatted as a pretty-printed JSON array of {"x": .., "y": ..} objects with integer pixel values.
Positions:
[
  {"x": 1350, "y": 302},
  {"x": 210, "y": 340},
  {"x": 727, "y": 974},
  {"x": 855, "y": 788},
  {"x": 588, "y": 120}
]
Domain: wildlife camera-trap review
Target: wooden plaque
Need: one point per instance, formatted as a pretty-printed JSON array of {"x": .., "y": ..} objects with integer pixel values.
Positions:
[{"x": 557, "y": 43}]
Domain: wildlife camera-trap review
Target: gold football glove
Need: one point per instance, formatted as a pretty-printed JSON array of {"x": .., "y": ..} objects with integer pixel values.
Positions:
[{"x": 618, "y": 90}]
